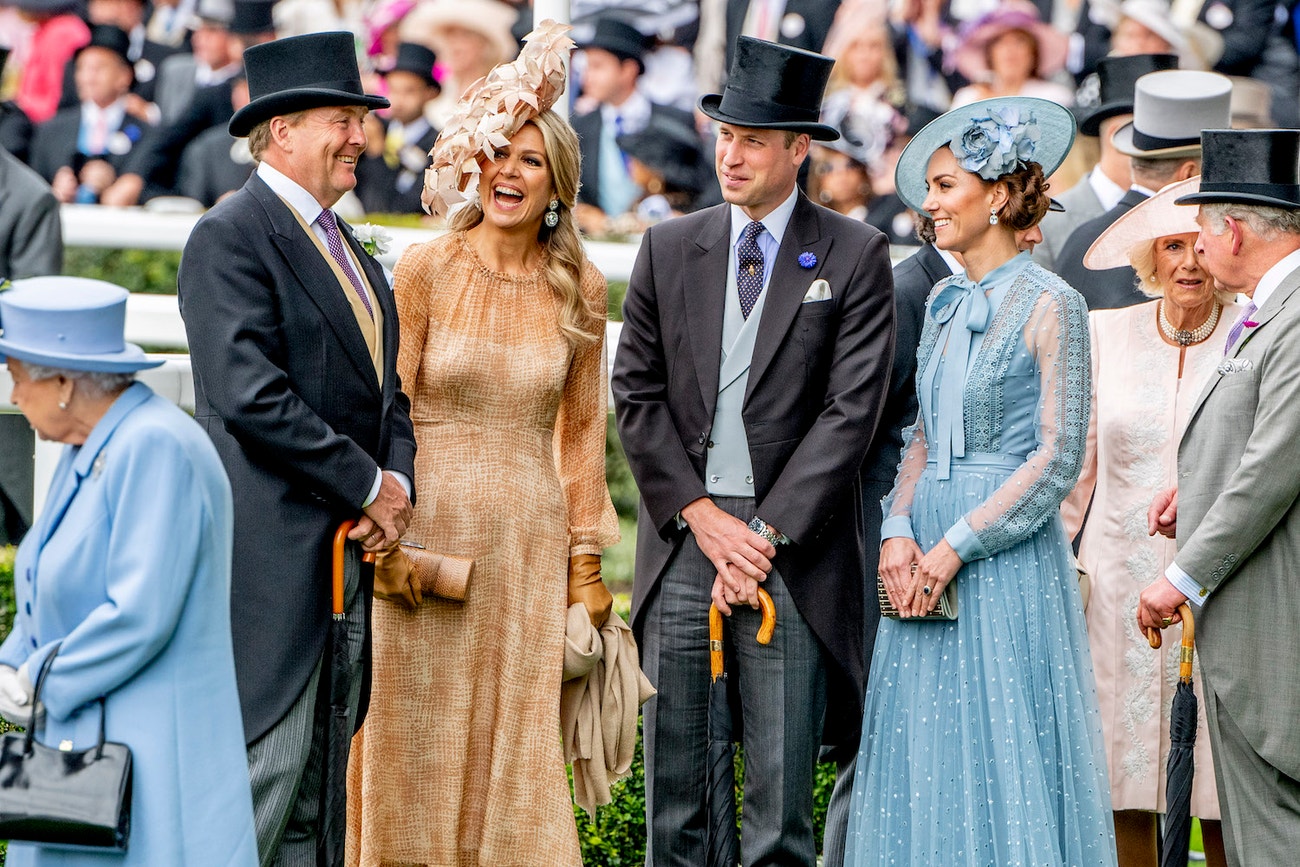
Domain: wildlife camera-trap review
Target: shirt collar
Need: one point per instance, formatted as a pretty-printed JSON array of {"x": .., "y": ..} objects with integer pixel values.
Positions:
[
  {"x": 114, "y": 113},
  {"x": 411, "y": 132},
  {"x": 951, "y": 261},
  {"x": 635, "y": 112},
  {"x": 302, "y": 201},
  {"x": 775, "y": 222},
  {"x": 1107, "y": 191},
  {"x": 1273, "y": 278}
]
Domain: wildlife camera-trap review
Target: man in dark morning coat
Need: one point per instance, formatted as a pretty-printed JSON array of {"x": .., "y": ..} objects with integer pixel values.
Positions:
[
  {"x": 293, "y": 339},
  {"x": 746, "y": 407}
]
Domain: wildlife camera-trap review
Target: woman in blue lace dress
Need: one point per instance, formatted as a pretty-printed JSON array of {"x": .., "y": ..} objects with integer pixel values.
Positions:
[{"x": 981, "y": 742}]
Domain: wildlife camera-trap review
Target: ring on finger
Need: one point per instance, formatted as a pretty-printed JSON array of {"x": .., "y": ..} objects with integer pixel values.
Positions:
[
  {"x": 927, "y": 590},
  {"x": 1166, "y": 621}
]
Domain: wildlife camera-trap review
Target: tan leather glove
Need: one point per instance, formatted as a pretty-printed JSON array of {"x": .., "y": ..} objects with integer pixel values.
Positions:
[
  {"x": 394, "y": 580},
  {"x": 586, "y": 586}
]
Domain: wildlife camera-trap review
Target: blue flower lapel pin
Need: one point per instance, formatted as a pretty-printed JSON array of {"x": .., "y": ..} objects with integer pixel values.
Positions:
[{"x": 807, "y": 260}]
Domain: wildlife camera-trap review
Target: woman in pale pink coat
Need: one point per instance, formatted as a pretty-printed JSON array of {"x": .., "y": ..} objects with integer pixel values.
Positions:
[{"x": 1149, "y": 363}]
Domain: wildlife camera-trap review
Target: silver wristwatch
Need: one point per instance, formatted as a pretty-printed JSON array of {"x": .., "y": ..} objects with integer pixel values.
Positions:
[{"x": 759, "y": 526}]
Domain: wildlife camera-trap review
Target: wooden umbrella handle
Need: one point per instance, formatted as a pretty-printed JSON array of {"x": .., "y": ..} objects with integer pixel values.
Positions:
[
  {"x": 340, "y": 539},
  {"x": 765, "y": 630},
  {"x": 1188, "y": 645}
]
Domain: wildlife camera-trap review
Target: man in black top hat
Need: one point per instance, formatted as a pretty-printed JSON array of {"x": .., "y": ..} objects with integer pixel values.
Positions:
[
  {"x": 143, "y": 53},
  {"x": 1106, "y": 182},
  {"x": 614, "y": 62},
  {"x": 82, "y": 149},
  {"x": 751, "y": 372},
  {"x": 390, "y": 177},
  {"x": 293, "y": 340},
  {"x": 1236, "y": 509}
]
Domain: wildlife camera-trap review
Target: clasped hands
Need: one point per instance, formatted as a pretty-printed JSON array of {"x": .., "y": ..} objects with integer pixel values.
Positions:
[
  {"x": 1158, "y": 604},
  {"x": 742, "y": 557},
  {"x": 384, "y": 521},
  {"x": 907, "y": 571}
]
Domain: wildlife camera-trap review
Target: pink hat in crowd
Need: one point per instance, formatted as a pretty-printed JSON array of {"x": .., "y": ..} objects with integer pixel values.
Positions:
[{"x": 971, "y": 56}]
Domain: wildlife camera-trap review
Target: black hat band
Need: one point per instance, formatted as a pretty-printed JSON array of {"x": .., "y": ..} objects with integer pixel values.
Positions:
[
  {"x": 1145, "y": 142},
  {"x": 347, "y": 85},
  {"x": 1285, "y": 192},
  {"x": 741, "y": 104}
]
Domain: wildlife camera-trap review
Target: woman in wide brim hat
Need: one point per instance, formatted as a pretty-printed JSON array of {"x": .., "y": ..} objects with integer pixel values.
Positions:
[
  {"x": 470, "y": 37},
  {"x": 1010, "y": 51},
  {"x": 1003, "y": 384},
  {"x": 123, "y": 584},
  {"x": 1149, "y": 363}
]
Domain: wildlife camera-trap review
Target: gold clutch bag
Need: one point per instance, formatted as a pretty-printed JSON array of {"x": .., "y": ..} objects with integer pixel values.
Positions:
[{"x": 945, "y": 610}]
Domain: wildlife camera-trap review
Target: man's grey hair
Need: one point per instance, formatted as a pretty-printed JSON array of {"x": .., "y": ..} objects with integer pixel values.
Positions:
[
  {"x": 96, "y": 383},
  {"x": 1264, "y": 220}
]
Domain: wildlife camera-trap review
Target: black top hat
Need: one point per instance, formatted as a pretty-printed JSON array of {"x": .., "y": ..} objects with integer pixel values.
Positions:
[
  {"x": 300, "y": 72},
  {"x": 252, "y": 16},
  {"x": 773, "y": 86},
  {"x": 670, "y": 148},
  {"x": 1118, "y": 78},
  {"x": 1249, "y": 167},
  {"x": 415, "y": 59},
  {"x": 110, "y": 38},
  {"x": 620, "y": 39}
]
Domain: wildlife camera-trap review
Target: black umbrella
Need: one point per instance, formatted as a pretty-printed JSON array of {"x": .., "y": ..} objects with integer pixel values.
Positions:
[
  {"x": 1182, "y": 742},
  {"x": 338, "y": 736},
  {"x": 723, "y": 846}
]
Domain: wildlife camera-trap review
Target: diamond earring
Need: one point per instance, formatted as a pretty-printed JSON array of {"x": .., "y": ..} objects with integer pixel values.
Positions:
[
  {"x": 993, "y": 217},
  {"x": 552, "y": 217}
]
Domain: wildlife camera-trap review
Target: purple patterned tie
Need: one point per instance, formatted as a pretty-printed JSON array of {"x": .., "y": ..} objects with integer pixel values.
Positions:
[
  {"x": 1237, "y": 327},
  {"x": 749, "y": 268},
  {"x": 334, "y": 241}
]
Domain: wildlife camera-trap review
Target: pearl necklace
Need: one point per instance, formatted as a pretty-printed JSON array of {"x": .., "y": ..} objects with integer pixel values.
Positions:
[{"x": 1184, "y": 337}]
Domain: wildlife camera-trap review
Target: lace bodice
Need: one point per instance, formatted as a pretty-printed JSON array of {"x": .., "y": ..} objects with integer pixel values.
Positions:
[{"x": 1024, "y": 394}]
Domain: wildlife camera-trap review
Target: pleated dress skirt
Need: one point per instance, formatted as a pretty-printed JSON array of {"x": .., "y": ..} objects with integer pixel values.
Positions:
[{"x": 981, "y": 740}]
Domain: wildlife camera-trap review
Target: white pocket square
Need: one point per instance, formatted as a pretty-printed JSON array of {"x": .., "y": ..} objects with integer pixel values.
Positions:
[
  {"x": 1235, "y": 365},
  {"x": 820, "y": 290}
]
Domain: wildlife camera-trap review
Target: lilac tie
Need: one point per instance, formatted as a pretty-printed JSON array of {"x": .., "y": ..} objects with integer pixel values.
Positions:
[
  {"x": 334, "y": 241},
  {"x": 749, "y": 268},
  {"x": 1240, "y": 325}
]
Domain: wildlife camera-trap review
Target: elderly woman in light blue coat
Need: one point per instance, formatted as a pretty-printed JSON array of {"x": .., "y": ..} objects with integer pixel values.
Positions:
[{"x": 127, "y": 572}]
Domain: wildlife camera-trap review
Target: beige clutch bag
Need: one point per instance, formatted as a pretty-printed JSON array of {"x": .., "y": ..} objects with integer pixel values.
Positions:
[
  {"x": 945, "y": 610},
  {"x": 409, "y": 572}
]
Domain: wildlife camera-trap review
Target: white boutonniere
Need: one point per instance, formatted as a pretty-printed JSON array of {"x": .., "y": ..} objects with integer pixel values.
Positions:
[{"x": 375, "y": 239}]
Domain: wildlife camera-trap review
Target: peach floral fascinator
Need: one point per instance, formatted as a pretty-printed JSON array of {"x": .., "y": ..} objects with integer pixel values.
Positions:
[{"x": 492, "y": 110}]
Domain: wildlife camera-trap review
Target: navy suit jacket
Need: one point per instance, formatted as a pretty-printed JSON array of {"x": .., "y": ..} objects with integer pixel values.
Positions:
[
  {"x": 1102, "y": 290},
  {"x": 284, "y": 385}
]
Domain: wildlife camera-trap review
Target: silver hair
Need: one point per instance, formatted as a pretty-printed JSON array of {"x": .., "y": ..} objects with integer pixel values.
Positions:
[
  {"x": 97, "y": 383},
  {"x": 1264, "y": 220}
]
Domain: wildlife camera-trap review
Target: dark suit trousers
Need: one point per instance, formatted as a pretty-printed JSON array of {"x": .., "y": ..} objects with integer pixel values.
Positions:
[
  {"x": 782, "y": 701},
  {"x": 1260, "y": 805},
  {"x": 286, "y": 764}
]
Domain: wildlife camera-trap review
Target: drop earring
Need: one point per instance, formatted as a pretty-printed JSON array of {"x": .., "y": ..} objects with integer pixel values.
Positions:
[
  {"x": 63, "y": 405},
  {"x": 552, "y": 217},
  {"x": 993, "y": 217}
]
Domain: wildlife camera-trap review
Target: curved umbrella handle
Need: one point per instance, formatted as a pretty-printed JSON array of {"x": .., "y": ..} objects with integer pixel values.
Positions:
[
  {"x": 1188, "y": 645},
  {"x": 765, "y": 630},
  {"x": 340, "y": 538}
]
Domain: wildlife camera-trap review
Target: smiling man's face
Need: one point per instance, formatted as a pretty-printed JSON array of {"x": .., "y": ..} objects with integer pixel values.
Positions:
[{"x": 322, "y": 148}]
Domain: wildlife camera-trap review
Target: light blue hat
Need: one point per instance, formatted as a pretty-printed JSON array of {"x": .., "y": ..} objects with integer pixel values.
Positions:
[
  {"x": 72, "y": 323},
  {"x": 990, "y": 138}
]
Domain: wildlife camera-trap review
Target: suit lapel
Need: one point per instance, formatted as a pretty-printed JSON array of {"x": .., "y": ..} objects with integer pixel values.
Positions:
[
  {"x": 1271, "y": 308},
  {"x": 315, "y": 277},
  {"x": 789, "y": 283},
  {"x": 704, "y": 286},
  {"x": 382, "y": 296}
]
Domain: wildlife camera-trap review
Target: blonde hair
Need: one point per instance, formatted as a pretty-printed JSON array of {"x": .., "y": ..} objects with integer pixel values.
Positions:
[
  {"x": 1142, "y": 256},
  {"x": 259, "y": 137},
  {"x": 853, "y": 24},
  {"x": 580, "y": 321}
]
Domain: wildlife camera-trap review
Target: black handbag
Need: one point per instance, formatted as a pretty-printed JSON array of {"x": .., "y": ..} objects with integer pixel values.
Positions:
[{"x": 62, "y": 798}]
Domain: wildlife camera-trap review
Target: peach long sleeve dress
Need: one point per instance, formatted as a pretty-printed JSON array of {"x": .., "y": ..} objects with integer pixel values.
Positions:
[
  {"x": 459, "y": 762},
  {"x": 1140, "y": 408}
]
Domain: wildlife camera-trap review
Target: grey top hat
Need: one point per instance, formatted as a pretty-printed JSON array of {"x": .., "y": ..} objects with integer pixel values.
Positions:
[
  {"x": 301, "y": 72},
  {"x": 72, "y": 323},
  {"x": 1170, "y": 109}
]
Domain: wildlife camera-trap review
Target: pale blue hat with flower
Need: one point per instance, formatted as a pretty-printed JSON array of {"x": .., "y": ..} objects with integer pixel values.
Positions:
[{"x": 990, "y": 138}]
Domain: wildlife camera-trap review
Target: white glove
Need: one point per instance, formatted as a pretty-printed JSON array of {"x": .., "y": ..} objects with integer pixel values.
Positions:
[{"x": 16, "y": 695}]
